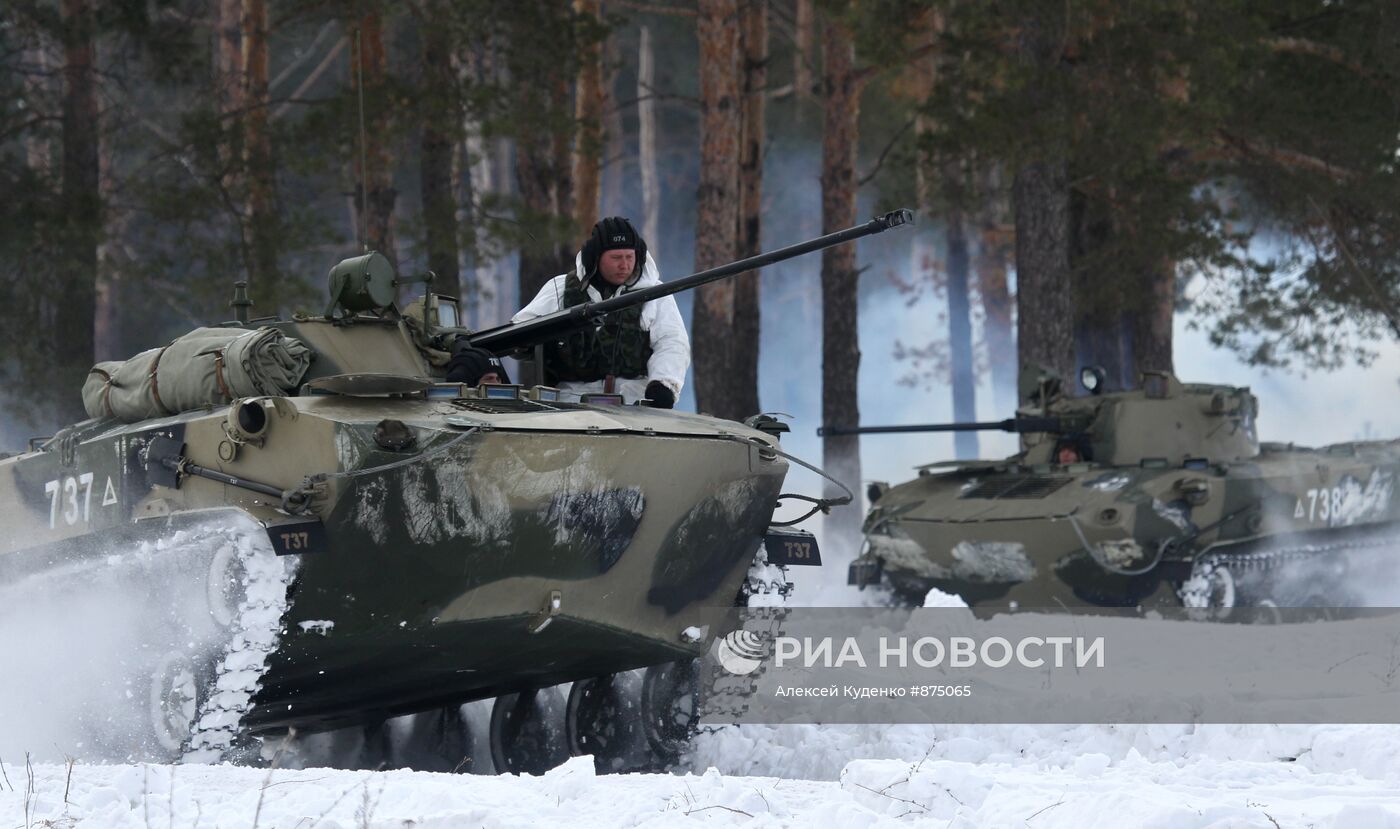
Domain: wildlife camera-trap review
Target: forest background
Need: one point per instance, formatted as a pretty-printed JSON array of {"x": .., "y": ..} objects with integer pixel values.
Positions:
[{"x": 1095, "y": 180}]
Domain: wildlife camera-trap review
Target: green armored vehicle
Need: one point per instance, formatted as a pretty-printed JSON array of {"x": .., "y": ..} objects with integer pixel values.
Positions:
[
  {"x": 1161, "y": 496},
  {"x": 294, "y": 526}
]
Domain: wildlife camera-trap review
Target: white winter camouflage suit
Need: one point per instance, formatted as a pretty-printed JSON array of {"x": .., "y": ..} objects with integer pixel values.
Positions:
[{"x": 670, "y": 345}]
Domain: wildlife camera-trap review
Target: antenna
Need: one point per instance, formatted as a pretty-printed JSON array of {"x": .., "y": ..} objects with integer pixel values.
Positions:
[{"x": 364, "y": 168}]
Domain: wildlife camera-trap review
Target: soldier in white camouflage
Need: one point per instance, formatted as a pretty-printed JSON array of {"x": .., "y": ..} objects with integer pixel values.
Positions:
[{"x": 641, "y": 353}]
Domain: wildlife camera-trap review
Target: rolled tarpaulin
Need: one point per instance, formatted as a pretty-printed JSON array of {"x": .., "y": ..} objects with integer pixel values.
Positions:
[{"x": 206, "y": 367}]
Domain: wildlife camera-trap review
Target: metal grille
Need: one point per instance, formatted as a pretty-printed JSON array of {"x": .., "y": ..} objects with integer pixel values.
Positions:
[{"x": 1020, "y": 486}]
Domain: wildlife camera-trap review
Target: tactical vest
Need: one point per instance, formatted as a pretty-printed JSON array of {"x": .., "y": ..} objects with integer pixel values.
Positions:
[{"x": 620, "y": 346}]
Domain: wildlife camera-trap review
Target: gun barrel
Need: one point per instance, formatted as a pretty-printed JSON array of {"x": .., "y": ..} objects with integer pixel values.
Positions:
[
  {"x": 513, "y": 336},
  {"x": 1011, "y": 424}
]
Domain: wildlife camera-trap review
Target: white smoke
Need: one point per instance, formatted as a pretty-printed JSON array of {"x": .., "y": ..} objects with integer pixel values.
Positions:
[{"x": 83, "y": 635}]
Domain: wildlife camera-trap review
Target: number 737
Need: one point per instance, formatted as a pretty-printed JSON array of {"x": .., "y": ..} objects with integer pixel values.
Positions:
[{"x": 66, "y": 490}]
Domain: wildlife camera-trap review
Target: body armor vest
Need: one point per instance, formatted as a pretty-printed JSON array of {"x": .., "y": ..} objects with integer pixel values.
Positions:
[{"x": 620, "y": 346}]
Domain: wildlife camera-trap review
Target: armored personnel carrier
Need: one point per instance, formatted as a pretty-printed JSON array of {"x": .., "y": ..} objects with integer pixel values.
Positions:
[
  {"x": 1160, "y": 496},
  {"x": 293, "y": 526}
]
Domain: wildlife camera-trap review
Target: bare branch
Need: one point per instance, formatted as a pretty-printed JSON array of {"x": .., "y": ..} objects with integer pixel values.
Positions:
[
  {"x": 1284, "y": 157},
  {"x": 1327, "y": 52},
  {"x": 880, "y": 162},
  {"x": 866, "y": 75}
]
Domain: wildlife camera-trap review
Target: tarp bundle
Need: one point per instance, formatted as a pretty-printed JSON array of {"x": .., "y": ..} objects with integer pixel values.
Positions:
[{"x": 206, "y": 367}]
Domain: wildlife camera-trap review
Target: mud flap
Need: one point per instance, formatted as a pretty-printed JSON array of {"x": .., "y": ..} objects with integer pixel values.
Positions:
[
  {"x": 790, "y": 548},
  {"x": 297, "y": 537},
  {"x": 864, "y": 570}
]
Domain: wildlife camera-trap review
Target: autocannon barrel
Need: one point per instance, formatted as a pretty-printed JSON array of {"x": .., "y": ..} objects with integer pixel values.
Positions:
[
  {"x": 514, "y": 336},
  {"x": 1011, "y": 424}
]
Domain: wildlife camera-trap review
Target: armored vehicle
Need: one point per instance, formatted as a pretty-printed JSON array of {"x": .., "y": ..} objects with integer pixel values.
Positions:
[
  {"x": 293, "y": 526},
  {"x": 1160, "y": 496}
]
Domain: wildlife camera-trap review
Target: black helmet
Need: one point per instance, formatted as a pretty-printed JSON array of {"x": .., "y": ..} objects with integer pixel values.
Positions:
[{"x": 613, "y": 233}]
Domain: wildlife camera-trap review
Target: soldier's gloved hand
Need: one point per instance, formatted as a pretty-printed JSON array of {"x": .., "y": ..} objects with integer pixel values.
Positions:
[{"x": 660, "y": 395}]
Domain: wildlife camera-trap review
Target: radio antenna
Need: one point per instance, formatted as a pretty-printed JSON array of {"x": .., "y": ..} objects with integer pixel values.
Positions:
[{"x": 364, "y": 170}]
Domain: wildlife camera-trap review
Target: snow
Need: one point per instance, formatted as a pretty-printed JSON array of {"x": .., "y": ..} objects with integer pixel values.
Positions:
[{"x": 967, "y": 776}]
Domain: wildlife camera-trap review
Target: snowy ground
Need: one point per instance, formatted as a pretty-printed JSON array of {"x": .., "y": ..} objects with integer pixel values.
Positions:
[
  {"x": 1165, "y": 776},
  {"x": 972, "y": 776}
]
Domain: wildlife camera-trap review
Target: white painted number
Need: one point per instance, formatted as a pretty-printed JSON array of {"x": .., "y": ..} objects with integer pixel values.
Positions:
[
  {"x": 1323, "y": 504},
  {"x": 51, "y": 490},
  {"x": 66, "y": 490}
]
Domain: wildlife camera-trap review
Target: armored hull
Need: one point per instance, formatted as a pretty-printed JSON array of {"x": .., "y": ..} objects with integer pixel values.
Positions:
[
  {"x": 1184, "y": 507},
  {"x": 516, "y": 544}
]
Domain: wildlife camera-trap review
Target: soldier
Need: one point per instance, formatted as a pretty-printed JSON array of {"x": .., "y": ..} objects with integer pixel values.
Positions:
[
  {"x": 641, "y": 352},
  {"x": 474, "y": 366}
]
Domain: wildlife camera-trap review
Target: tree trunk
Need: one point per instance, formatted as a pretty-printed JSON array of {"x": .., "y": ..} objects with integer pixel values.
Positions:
[
  {"x": 72, "y": 334},
  {"x": 717, "y": 215},
  {"x": 261, "y": 206},
  {"x": 435, "y": 162},
  {"x": 38, "y": 96},
  {"x": 375, "y": 193},
  {"x": 541, "y": 188},
  {"x": 1152, "y": 335},
  {"x": 998, "y": 337},
  {"x": 1123, "y": 325},
  {"x": 646, "y": 138},
  {"x": 543, "y": 174},
  {"x": 616, "y": 162},
  {"x": 228, "y": 82},
  {"x": 840, "y": 277},
  {"x": 805, "y": 53},
  {"x": 107, "y": 328},
  {"x": 1044, "y": 295},
  {"x": 753, "y": 23},
  {"x": 1040, "y": 198},
  {"x": 960, "y": 335},
  {"x": 589, "y": 103}
]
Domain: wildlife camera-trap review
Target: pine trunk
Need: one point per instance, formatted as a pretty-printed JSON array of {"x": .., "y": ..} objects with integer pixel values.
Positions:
[
  {"x": 960, "y": 335},
  {"x": 805, "y": 53},
  {"x": 72, "y": 332},
  {"x": 544, "y": 176},
  {"x": 375, "y": 181},
  {"x": 840, "y": 276},
  {"x": 616, "y": 164},
  {"x": 38, "y": 93},
  {"x": 228, "y": 86},
  {"x": 1152, "y": 334},
  {"x": 717, "y": 215},
  {"x": 1044, "y": 294},
  {"x": 1124, "y": 325},
  {"x": 261, "y": 207},
  {"x": 435, "y": 164},
  {"x": 589, "y": 103},
  {"x": 998, "y": 337},
  {"x": 753, "y": 24},
  {"x": 538, "y": 178},
  {"x": 646, "y": 138},
  {"x": 107, "y": 327},
  {"x": 1045, "y": 312}
]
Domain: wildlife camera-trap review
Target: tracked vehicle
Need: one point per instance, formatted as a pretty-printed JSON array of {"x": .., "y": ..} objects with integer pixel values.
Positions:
[
  {"x": 355, "y": 539},
  {"x": 1161, "y": 496}
]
